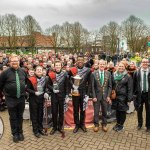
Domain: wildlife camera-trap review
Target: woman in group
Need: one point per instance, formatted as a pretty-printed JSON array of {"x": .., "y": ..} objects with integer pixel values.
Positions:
[
  {"x": 131, "y": 68},
  {"x": 123, "y": 86},
  {"x": 36, "y": 88}
]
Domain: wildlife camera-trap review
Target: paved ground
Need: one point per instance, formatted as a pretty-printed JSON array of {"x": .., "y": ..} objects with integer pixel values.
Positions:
[{"x": 129, "y": 139}]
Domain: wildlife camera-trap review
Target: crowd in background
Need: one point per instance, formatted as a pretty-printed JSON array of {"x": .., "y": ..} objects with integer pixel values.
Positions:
[{"x": 119, "y": 67}]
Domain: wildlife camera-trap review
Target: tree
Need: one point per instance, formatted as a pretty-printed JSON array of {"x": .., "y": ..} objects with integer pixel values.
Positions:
[
  {"x": 31, "y": 27},
  {"x": 110, "y": 33},
  {"x": 105, "y": 38},
  {"x": 66, "y": 33},
  {"x": 113, "y": 32},
  {"x": 21, "y": 34},
  {"x": 9, "y": 27},
  {"x": 56, "y": 33},
  {"x": 95, "y": 38},
  {"x": 79, "y": 34},
  {"x": 2, "y": 33},
  {"x": 134, "y": 30}
]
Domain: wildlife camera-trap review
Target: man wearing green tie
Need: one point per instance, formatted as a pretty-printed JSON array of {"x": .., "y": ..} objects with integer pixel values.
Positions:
[
  {"x": 101, "y": 90},
  {"x": 141, "y": 82},
  {"x": 12, "y": 83}
]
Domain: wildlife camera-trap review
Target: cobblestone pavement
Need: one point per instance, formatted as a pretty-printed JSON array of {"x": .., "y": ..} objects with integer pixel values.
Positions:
[{"x": 129, "y": 139}]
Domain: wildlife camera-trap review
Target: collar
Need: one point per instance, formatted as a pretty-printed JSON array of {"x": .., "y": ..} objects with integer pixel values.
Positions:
[
  {"x": 80, "y": 67},
  {"x": 101, "y": 71},
  {"x": 14, "y": 69},
  {"x": 145, "y": 70},
  {"x": 58, "y": 72}
]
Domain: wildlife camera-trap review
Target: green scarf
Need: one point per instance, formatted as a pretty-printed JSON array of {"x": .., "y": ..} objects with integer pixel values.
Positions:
[{"x": 118, "y": 76}]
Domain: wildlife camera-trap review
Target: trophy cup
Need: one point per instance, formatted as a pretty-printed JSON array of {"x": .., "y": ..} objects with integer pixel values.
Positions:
[{"x": 75, "y": 91}]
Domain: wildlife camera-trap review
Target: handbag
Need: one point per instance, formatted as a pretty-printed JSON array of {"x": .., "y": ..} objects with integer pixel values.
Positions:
[{"x": 113, "y": 95}]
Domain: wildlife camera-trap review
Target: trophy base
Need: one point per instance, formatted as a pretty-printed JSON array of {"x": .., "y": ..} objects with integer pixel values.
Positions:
[{"x": 75, "y": 94}]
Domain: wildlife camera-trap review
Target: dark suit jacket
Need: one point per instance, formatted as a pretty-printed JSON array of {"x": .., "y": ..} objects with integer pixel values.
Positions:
[
  {"x": 84, "y": 87},
  {"x": 137, "y": 87},
  {"x": 101, "y": 91},
  {"x": 62, "y": 85},
  {"x": 9, "y": 88}
]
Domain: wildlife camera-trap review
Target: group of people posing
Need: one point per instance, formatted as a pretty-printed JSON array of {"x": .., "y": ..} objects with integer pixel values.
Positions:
[{"x": 54, "y": 78}]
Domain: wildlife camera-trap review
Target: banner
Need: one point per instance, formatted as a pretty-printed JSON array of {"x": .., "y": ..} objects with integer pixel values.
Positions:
[{"x": 89, "y": 113}]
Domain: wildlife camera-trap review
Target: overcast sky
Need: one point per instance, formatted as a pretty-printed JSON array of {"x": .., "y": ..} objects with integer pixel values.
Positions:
[{"x": 92, "y": 14}]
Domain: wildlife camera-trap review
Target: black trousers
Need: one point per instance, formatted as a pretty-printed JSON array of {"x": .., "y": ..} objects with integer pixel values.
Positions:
[
  {"x": 15, "y": 111},
  {"x": 97, "y": 105},
  {"x": 36, "y": 112},
  {"x": 78, "y": 105},
  {"x": 57, "y": 107},
  {"x": 121, "y": 117},
  {"x": 144, "y": 98}
]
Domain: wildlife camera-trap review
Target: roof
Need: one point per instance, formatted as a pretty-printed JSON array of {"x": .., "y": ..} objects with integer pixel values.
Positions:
[{"x": 40, "y": 40}]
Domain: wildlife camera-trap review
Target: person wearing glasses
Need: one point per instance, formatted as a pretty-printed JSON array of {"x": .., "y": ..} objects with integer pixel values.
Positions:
[
  {"x": 141, "y": 80},
  {"x": 12, "y": 84}
]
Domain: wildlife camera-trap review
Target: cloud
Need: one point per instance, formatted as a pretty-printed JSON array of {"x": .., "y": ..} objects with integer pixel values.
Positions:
[{"x": 91, "y": 13}]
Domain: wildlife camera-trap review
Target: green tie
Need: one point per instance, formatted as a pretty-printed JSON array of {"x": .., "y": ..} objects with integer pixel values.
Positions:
[
  {"x": 101, "y": 78},
  {"x": 18, "y": 85},
  {"x": 144, "y": 82}
]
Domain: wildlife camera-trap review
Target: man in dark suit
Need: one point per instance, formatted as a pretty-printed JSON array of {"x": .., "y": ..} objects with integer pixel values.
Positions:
[
  {"x": 12, "y": 83},
  {"x": 78, "y": 100},
  {"x": 57, "y": 85},
  {"x": 101, "y": 90},
  {"x": 141, "y": 82}
]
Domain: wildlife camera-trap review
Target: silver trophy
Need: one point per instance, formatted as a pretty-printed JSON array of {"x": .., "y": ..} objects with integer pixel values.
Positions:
[{"x": 75, "y": 91}]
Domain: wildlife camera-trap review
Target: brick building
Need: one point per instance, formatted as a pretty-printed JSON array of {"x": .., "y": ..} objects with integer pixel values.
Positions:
[{"x": 36, "y": 40}]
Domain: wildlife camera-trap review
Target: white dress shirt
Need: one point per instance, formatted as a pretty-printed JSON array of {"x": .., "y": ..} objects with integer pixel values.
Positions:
[{"x": 142, "y": 79}]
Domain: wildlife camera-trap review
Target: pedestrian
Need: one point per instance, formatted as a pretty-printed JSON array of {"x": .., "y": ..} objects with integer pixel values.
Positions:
[
  {"x": 36, "y": 88},
  {"x": 141, "y": 80},
  {"x": 123, "y": 86},
  {"x": 83, "y": 92},
  {"x": 57, "y": 87},
  {"x": 12, "y": 83},
  {"x": 101, "y": 90}
]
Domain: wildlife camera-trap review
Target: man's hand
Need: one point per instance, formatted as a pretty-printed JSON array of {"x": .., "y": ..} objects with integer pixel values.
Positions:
[
  {"x": 94, "y": 99},
  {"x": 129, "y": 103},
  {"x": 37, "y": 93},
  {"x": 46, "y": 96},
  {"x": 86, "y": 98},
  {"x": 108, "y": 100},
  {"x": 55, "y": 91},
  {"x": 67, "y": 99},
  {"x": 75, "y": 87}
]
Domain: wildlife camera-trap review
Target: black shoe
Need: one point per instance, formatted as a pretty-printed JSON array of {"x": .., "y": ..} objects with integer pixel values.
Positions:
[
  {"x": 148, "y": 130},
  {"x": 41, "y": 132},
  {"x": 139, "y": 127},
  {"x": 61, "y": 130},
  {"x": 38, "y": 135},
  {"x": 21, "y": 137},
  {"x": 83, "y": 128},
  {"x": 2, "y": 108},
  {"x": 120, "y": 128},
  {"x": 75, "y": 130},
  {"x": 115, "y": 127},
  {"x": 16, "y": 138},
  {"x": 53, "y": 131}
]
